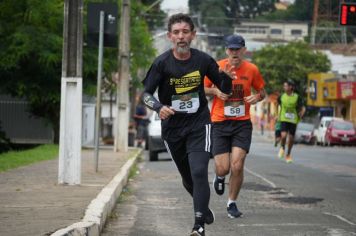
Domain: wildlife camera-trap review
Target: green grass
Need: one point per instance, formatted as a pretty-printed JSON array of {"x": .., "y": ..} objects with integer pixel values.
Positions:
[{"x": 14, "y": 159}]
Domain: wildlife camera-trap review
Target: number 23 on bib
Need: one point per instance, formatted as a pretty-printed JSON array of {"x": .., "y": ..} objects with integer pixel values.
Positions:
[{"x": 188, "y": 103}]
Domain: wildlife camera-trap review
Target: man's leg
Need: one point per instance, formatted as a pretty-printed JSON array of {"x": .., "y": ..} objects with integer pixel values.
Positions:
[
  {"x": 199, "y": 162},
  {"x": 292, "y": 128},
  {"x": 238, "y": 157},
  {"x": 222, "y": 168},
  {"x": 221, "y": 152},
  {"x": 177, "y": 151},
  {"x": 290, "y": 144},
  {"x": 283, "y": 144}
]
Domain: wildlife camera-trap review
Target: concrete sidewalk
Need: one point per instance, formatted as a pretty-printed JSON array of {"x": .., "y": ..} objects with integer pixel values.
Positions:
[{"x": 32, "y": 203}]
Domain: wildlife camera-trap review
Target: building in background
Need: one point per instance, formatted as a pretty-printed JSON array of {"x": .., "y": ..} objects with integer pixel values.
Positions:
[{"x": 333, "y": 94}]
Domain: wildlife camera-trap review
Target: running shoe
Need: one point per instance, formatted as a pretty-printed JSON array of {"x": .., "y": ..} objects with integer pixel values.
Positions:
[
  {"x": 210, "y": 217},
  {"x": 289, "y": 158},
  {"x": 281, "y": 153},
  {"x": 197, "y": 231},
  {"x": 232, "y": 211},
  {"x": 219, "y": 185}
]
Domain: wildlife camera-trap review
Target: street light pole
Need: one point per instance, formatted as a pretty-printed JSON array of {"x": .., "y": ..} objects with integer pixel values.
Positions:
[
  {"x": 69, "y": 168},
  {"x": 122, "y": 119}
]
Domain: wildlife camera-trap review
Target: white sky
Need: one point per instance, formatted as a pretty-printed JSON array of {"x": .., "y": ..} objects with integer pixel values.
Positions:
[{"x": 174, "y": 4}]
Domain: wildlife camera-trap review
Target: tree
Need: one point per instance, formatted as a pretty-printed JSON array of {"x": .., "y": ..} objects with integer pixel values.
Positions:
[
  {"x": 295, "y": 60},
  {"x": 31, "y": 41},
  {"x": 31, "y": 54},
  {"x": 220, "y": 16}
]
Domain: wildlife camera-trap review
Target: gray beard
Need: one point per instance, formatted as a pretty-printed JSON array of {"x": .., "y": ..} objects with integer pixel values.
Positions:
[{"x": 183, "y": 50}]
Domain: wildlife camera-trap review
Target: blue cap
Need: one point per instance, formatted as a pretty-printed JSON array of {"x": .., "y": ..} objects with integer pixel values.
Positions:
[{"x": 234, "y": 41}]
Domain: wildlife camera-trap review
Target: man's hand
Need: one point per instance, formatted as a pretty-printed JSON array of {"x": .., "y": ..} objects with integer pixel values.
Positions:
[
  {"x": 220, "y": 94},
  {"x": 252, "y": 99},
  {"x": 165, "y": 112},
  {"x": 229, "y": 70}
]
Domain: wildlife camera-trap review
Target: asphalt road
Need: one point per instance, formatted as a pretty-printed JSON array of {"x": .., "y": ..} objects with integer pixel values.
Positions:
[{"x": 316, "y": 195}]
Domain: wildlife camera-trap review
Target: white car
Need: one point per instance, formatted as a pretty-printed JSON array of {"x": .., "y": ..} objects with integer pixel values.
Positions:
[
  {"x": 322, "y": 127},
  {"x": 154, "y": 139}
]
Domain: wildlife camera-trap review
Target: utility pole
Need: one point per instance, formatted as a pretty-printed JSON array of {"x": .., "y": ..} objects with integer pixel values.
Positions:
[
  {"x": 325, "y": 10},
  {"x": 122, "y": 119},
  {"x": 69, "y": 168}
]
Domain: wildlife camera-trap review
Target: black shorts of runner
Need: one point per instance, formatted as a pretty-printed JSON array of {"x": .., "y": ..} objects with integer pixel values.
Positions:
[
  {"x": 277, "y": 133},
  {"x": 231, "y": 133},
  {"x": 288, "y": 127},
  {"x": 179, "y": 144}
]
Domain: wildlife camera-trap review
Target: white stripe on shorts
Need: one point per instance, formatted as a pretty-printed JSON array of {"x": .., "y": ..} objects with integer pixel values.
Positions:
[{"x": 207, "y": 137}]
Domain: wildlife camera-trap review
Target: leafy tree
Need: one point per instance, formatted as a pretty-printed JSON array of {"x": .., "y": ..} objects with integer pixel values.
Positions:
[
  {"x": 31, "y": 54},
  {"x": 31, "y": 38},
  {"x": 153, "y": 14},
  {"x": 294, "y": 61},
  {"x": 219, "y": 16}
]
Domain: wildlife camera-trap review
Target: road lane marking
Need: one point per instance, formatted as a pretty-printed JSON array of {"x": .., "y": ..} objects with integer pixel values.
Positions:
[
  {"x": 340, "y": 218},
  {"x": 273, "y": 185},
  {"x": 276, "y": 225}
]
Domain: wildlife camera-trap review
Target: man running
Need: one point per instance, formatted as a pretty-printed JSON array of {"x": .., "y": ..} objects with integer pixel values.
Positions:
[
  {"x": 179, "y": 76},
  {"x": 291, "y": 111},
  {"x": 232, "y": 127}
]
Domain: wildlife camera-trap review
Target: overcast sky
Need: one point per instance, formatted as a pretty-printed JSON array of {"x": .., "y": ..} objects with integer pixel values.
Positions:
[{"x": 173, "y": 4}]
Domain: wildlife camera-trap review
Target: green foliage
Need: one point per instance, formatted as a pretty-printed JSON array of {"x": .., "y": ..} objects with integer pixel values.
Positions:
[
  {"x": 31, "y": 53},
  {"x": 31, "y": 40},
  {"x": 142, "y": 50},
  {"x": 14, "y": 159},
  {"x": 219, "y": 16},
  {"x": 295, "y": 60}
]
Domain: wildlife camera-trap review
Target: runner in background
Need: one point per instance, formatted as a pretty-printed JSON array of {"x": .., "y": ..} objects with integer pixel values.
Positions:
[{"x": 232, "y": 127}]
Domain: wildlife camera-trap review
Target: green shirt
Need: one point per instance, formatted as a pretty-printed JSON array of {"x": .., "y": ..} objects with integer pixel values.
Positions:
[{"x": 289, "y": 108}]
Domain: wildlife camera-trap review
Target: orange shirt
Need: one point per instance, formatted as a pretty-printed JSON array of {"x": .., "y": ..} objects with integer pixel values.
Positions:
[{"x": 235, "y": 108}]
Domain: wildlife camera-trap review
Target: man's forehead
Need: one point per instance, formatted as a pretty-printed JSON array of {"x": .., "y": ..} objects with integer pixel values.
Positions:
[{"x": 180, "y": 25}]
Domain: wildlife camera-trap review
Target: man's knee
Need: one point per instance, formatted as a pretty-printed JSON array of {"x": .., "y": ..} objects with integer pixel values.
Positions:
[
  {"x": 222, "y": 164},
  {"x": 199, "y": 172}
]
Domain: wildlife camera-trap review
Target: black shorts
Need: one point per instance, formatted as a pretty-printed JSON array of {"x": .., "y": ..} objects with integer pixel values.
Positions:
[
  {"x": 288, "y": 127},
  {"x": 277, "y": 133},
  {"x": 231, "y": 133},
  {"x": 182, "y": 143}
]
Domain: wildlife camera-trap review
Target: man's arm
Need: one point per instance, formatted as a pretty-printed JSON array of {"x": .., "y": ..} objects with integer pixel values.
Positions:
[
  {"x": 214, "y": 91},
  {"x": 255, "y": 98},
  {"x": 220, "y": 78}
]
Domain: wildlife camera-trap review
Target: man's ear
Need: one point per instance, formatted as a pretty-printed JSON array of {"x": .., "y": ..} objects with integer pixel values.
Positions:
[
  {"x": 169, "y": 34},
  {"x": 194, "y": 34}
]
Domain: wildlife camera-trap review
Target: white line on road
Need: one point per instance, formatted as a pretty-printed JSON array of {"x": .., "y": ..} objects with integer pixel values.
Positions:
[
  {"x": 340, "y": 218},
  {"x": 261, "y": 177},
  {"x": 276, "y": 225}
]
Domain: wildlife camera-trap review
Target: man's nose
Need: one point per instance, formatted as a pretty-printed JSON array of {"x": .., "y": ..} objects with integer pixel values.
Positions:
[{"x": 181, "y": 34}]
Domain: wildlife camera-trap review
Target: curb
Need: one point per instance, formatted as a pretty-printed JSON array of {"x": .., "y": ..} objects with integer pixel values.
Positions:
[{"x": 100, "y": 207}]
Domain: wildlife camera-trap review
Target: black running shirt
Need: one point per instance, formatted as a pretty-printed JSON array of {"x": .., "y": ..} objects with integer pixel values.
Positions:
[{"x": 175, "y": 78}]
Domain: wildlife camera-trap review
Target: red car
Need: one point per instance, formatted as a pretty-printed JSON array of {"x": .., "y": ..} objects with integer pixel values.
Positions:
[{"x": 340, "y": 132}]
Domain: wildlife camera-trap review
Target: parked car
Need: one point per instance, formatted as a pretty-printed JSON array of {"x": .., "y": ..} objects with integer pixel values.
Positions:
[
  {"x": 340, "y": 132},
  {"x": 321, "y": 130},
  {"x": 154, "y": 140},
  {"x": 304, "y": 133}
]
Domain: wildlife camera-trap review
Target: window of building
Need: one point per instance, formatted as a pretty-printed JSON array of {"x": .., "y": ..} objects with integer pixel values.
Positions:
[
  {"x": 276, "y": 31},
  {"x": 296, "y": 32}
]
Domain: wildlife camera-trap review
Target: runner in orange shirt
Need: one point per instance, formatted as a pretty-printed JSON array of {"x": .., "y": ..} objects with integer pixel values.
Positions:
[{"x": 232, "y": 127}]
